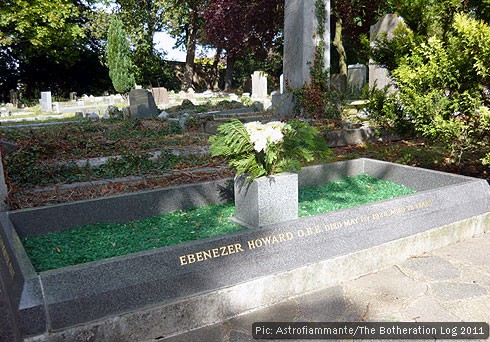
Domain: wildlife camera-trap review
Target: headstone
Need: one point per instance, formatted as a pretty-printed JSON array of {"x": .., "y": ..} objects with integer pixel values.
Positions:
[
  {"x": 301, "y": 40},
  {"x": 14, "y": 98},
  {"x": 73, "y": 96},
  {"x": 259, "y": 85},
  {"x": 56, "y": 107},
  {"x": 183, "y": 120},
  {"x": 46, "y": 103},
  {"x": 356, "y": 76},
  {"x": 160, "y": 95},
  {"x": 80, "y": 103},
  {"x": 126, "y": 113},
  {"x": 378, "y": 76},
  {"x": 338, "y": 82},
  {"x": 142, "y": 104}
]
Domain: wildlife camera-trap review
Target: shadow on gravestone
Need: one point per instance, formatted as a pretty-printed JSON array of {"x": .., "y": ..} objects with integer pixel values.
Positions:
[{"x": 142, "y": 104}]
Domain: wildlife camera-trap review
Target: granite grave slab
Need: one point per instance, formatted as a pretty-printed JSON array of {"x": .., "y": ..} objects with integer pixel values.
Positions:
[{"x": 163, "y": 291}]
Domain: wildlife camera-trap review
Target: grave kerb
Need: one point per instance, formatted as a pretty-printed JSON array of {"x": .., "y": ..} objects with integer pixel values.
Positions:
[{"x": 157, "y": 281}]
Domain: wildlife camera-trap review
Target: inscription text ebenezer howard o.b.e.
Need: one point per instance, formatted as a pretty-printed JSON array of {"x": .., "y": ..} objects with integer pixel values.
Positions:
[{"x": 265, "y": 241}]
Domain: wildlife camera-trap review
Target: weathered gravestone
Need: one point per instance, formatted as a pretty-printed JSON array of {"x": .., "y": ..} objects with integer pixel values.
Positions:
[
  {"x": 46, "y": 103},
  {"x": 160, "y": 95},
  {"x": 356, "y": 76},
  {"x": 378, "y": 76},
  {"x": 338, "y": 82},
  {"x": 142, "y": 104},
  {"x": 14, "y": 98},
  {"x": 259, "y": 85}
]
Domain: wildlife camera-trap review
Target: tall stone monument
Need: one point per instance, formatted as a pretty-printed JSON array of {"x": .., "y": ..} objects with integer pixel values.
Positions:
[
  {"x": 300, "y": 41},
  {"x": 379, "y": 76}
]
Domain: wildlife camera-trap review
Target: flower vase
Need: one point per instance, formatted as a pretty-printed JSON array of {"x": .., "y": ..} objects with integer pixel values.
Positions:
[{"x": 266, "y": 200}]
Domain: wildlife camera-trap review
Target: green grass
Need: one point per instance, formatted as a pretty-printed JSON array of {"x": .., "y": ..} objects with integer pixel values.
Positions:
[{"x": 105, "y": 240}]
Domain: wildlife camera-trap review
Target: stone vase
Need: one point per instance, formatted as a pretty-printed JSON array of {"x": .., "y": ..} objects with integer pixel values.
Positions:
[{"x": 266, "y": 200}]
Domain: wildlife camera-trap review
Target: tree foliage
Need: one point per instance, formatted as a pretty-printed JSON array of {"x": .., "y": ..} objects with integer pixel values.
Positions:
[
  {"x": 45, "y": 45},
  {"x": 352, "y": 20},
  {"x": 119, "y": 57},
  {"x": 142, "y": 19},
  {"x": 242, "y": 26},
  {"x": 184, "y": 23}
]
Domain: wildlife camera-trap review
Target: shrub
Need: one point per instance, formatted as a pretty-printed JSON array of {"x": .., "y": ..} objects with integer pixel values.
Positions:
[{"x": 443, "y": 88}]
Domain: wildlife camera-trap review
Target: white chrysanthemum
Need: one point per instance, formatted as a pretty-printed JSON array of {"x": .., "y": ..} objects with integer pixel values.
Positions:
[{"x": 261, "y": 135}]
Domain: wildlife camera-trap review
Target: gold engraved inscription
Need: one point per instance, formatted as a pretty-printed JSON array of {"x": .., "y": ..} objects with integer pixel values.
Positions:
[
  {"x": 210, "y": 254},
  {"x": 6, "y": 257},
  {"x": 267, "y": 241}
]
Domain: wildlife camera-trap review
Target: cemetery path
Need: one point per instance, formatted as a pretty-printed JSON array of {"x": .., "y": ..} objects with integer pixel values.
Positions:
[{"x": 451, "y": 284}]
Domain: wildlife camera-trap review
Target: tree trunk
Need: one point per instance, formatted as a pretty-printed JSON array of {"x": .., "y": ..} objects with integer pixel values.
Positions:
[
  {"x": 230, "y": 63},
  {"x": 216, "y": 69},
  {"x": 190, "y": 54},
  {"x": 337, "y": 42}
]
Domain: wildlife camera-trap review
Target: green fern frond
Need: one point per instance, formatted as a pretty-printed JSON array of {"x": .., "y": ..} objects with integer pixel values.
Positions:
[{"x": 232, "y": 140}]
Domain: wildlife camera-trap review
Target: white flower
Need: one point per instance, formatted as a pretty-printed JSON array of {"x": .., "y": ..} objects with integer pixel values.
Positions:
[{"x": 263, "y": 134}]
